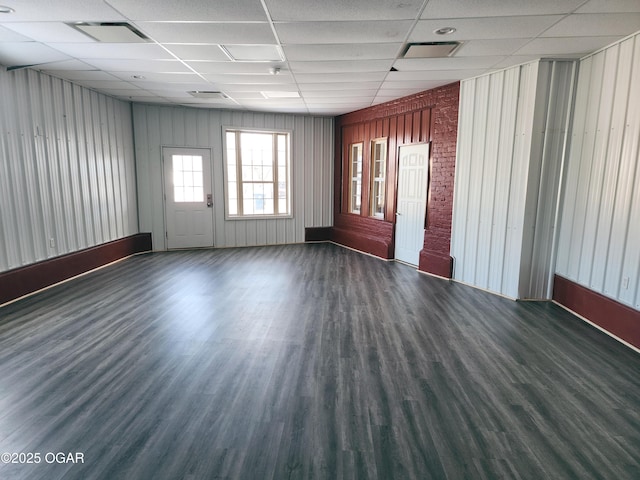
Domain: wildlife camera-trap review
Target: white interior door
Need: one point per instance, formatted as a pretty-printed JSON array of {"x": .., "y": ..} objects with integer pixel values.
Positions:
[
  {"x": 188, "y": 197},
  {"x": 413, "y": 180}
]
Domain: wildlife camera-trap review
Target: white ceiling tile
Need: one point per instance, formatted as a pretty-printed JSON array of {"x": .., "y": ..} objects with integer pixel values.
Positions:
[
  {"x": 202, "y": 10},
  {"x": 340, "y": 66},
  {"x": 210, "y": 33},
  {"x": 247, "y": 95},
  {"x": 340, "y": 10},
  {"x": 159, "y": 77},
  {"x": 564, "y": 46},
  {"x": 229, "y": 68},
  {"x": 393, "y": 90},
  {"x": 61, "y": 11},
  {"x": 254, "y": 53},
  {"x": 496, "y": 8},
  {"x": 8, "y": 35},
  {"x": 211, "y": 53},
  {"x": 256, "y": 87},
  {"x": 273, "y": 102},
  {"x": 343, "y": 107},
  {"x": 344, "y": 51},
  {"x": 595, "y": 24},
  {"x": 331, "y": 111},
  {"x": 49, "y": 32},
  {"x": 448, "y": 63},
  {"x": 484, "y": 28},
  {"x": 359, "y": 98},
  {"x": 130, "y": 92},
  {"x": 610, "y": 6},
  {"x": 28, "y": 53},
  {"x": 192, "y": 84},
  {"x": 118, "y": 51},
  {"x": 142, "y": 99},
  {"x": 503, "y": 46},
  {"x": 111, "y": 85},
  {"x": 341, "y": 94},
  {"x": 512, "y": 61},
  {"x": 80, "y": 75},
  {"x": 327, "y": 86},
  {"x": 250, "y": 79},
  {"x": 343, "y": 32},
  {"x": 338, "y": 77},
  {"x": 127, "y": 65},
  {"x": 421, "y": 75},
  {"x": 66, "y": 65}
]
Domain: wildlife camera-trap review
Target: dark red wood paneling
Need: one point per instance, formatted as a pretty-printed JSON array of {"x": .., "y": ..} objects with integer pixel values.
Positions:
[
  {"x": 427, "y": 116},
  {"x": 616, "y": 318},
  {"x": 22, "y": 281}
]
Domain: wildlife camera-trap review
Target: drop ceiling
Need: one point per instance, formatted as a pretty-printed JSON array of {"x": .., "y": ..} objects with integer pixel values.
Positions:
[{"x": 302, "y": 56}]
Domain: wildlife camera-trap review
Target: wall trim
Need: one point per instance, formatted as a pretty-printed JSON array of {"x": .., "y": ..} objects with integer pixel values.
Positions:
[
  {"x": 29, "y": 279},
  {"x": 621, "y": 321}
]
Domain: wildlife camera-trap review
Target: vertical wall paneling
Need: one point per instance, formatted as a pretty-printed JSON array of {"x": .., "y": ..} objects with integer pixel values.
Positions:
[
  {"x": 511, "y": 142},
  {"x": 65, "y": 154},
  {"x": 598, "y": 244},
  {"x": 312, "y": 170}
]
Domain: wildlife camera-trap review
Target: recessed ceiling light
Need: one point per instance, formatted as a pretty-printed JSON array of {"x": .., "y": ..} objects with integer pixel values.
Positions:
[
  {"x": 5, "y": 9},
  {"x": 444, "y": 31}
]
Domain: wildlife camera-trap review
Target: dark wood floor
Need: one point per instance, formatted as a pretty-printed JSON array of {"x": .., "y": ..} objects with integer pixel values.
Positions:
[{"x": 308, "y": 362}]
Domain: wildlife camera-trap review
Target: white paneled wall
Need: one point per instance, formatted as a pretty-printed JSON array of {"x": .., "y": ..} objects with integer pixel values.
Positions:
[
  {"x": 599, "y": 242},
  {"x": 67, "y": 170},
  {"x": 312, "y": 170},
  {"x": 510, "y": 147}
]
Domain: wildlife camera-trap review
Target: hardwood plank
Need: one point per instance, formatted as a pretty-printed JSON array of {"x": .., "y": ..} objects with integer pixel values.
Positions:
[{"x": 308, "y": 361}]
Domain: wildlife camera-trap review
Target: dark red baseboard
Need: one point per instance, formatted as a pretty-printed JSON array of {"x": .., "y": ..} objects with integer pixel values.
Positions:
[
  {"x": 436, "y": 264},
  {"x": 614, "y": 317},
  {"x": 379, "y": 247},
  {"x": 28, "y": 279},
  {"x": 317, "y": 234}
]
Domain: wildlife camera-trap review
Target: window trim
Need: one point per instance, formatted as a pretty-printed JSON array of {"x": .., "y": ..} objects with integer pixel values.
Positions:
[
  {"x": 289, "y": 181},
  {"x": 372, "y": 179},
  {"x": 351, "y": 208}
]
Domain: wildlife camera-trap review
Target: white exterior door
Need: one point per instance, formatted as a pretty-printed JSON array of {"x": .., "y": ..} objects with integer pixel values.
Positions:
[
  {"x": 188, "y": 197},
  {"x": 413, "y": 178}
]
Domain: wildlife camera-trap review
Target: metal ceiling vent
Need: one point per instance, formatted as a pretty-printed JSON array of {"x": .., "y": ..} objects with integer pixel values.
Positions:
[
  {"x": 208, "y": 94},
  {"x": 430, "y": 49},
  {"x": 111, "y": 32}
]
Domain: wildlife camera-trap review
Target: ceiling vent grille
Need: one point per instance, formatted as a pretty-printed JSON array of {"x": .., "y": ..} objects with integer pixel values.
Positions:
[
  {"x": 430, "y": 49},
  {"x": 111, "y": 32},
  {"x": 209, "y": 94}
]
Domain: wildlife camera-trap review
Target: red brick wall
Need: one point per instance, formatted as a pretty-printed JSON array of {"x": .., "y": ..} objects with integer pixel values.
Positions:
[{"x": 430, "y": 116}]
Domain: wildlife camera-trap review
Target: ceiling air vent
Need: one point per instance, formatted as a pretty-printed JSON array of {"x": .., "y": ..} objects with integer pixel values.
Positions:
[
  {"x": 111, "y": 32},
  {"x": 208, "y": 94},
  {"x": 430, "y": 49}
]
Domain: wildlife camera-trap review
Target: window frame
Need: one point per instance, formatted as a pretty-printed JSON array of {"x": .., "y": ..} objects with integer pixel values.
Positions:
[
  {"x": 382, "y": 180},
  {"x": 239, "y": 182},
  {"x": 357, "y": 178}
]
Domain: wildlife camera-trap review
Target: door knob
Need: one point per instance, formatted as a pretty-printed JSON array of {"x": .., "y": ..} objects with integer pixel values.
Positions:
[{"x": 209, "y": 200}]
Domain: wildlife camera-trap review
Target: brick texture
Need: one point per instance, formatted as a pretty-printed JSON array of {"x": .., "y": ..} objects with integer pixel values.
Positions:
[{"x": 430, "y": 116}]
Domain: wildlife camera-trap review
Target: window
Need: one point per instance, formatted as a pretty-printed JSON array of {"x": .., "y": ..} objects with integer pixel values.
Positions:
[
  {"x": 355, "y": 174},
  {"x": 378, "y": 171},
  {"x": 188, "y": 178},
  {"x": 257, "y": 173}
]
